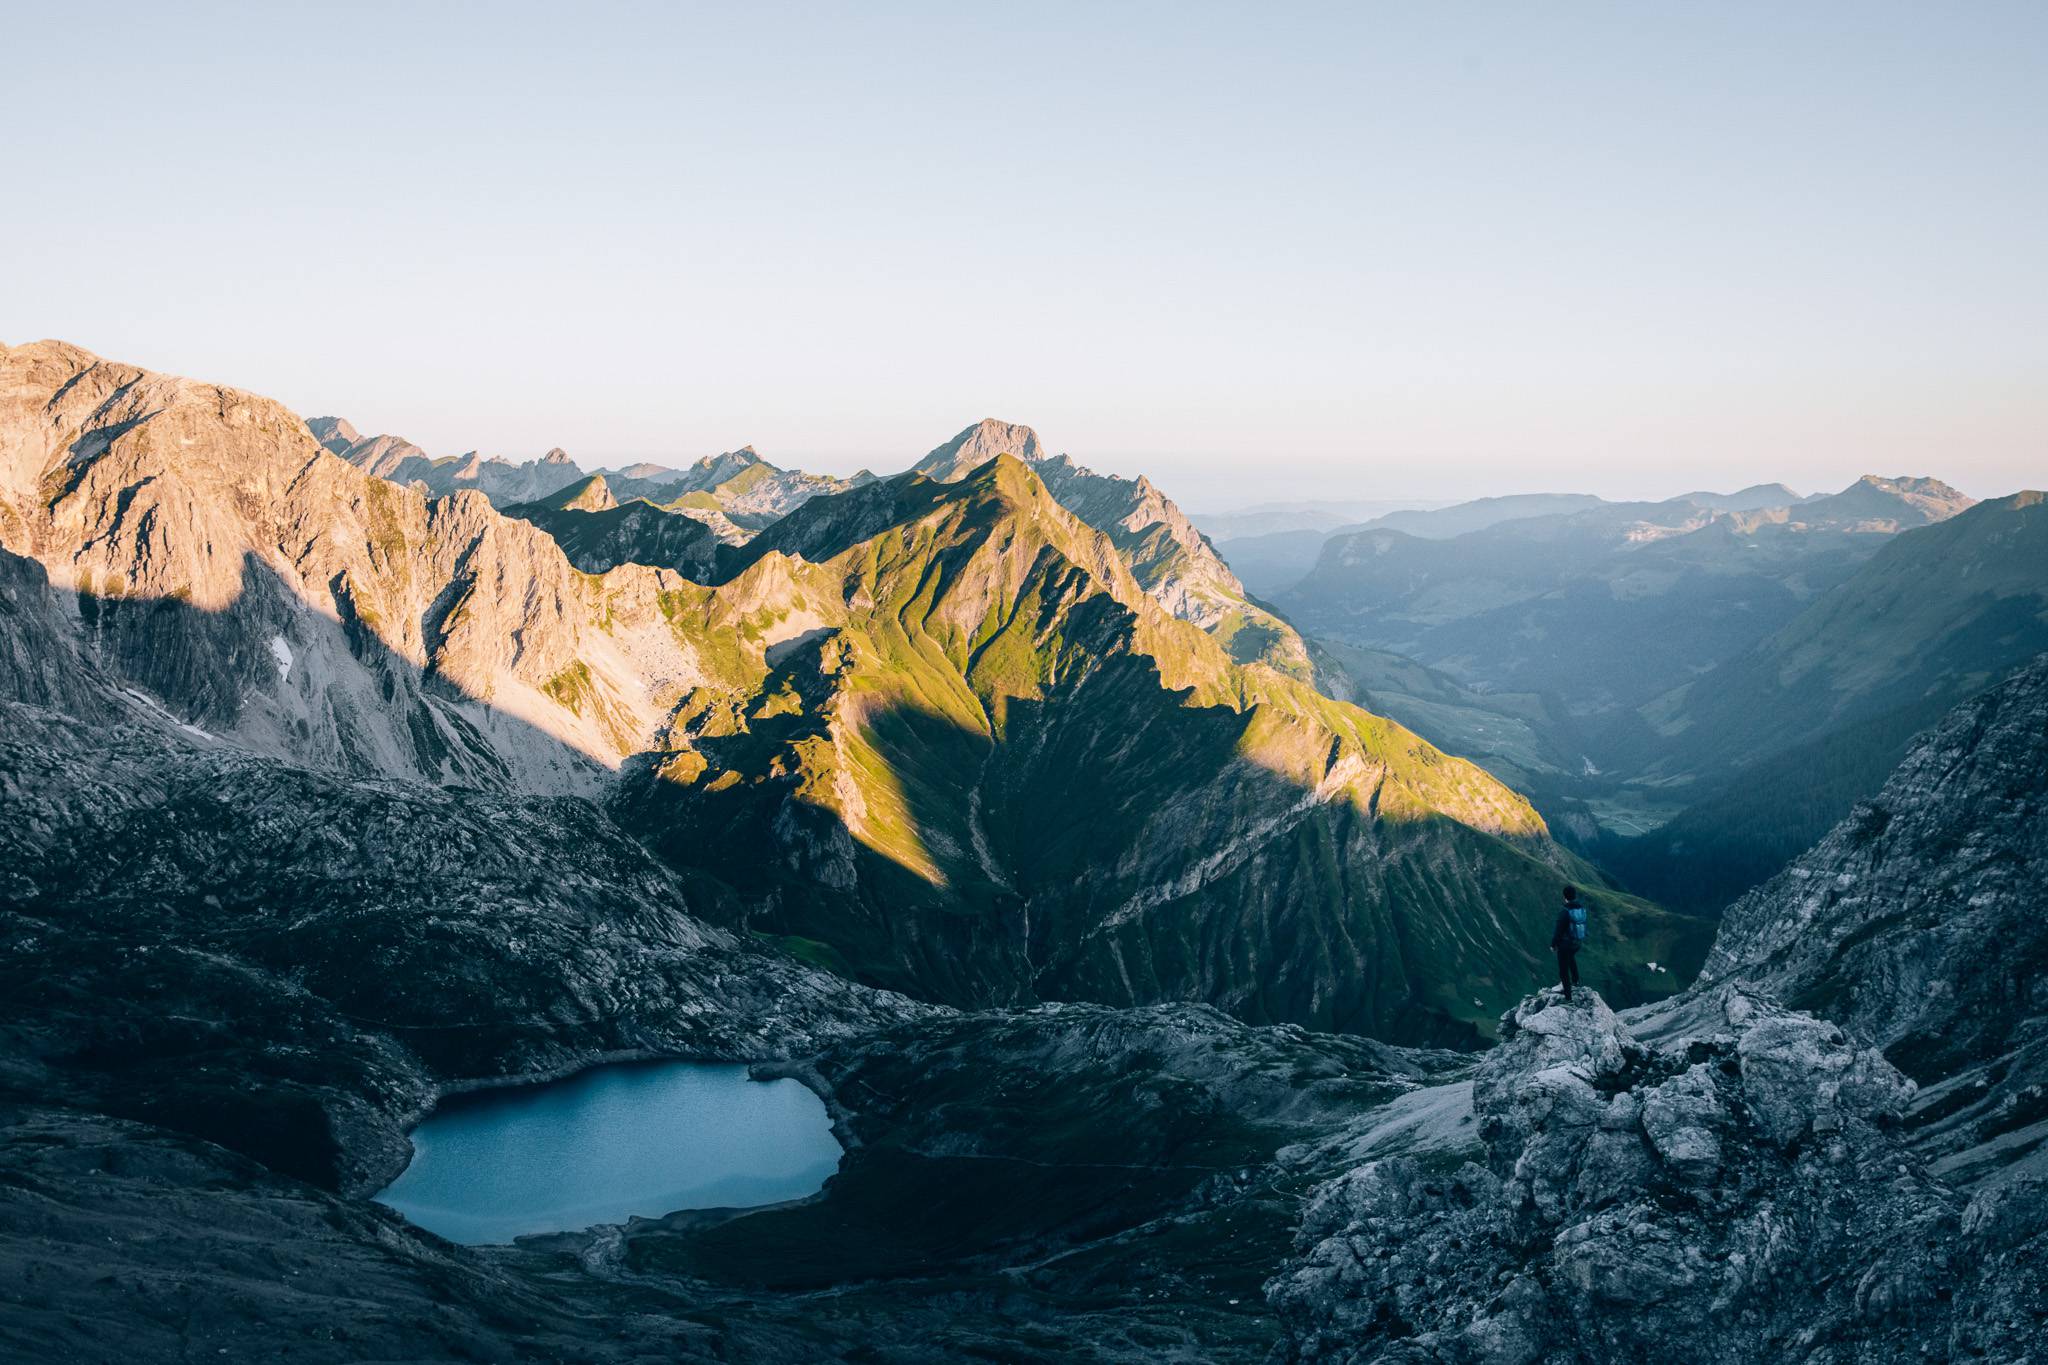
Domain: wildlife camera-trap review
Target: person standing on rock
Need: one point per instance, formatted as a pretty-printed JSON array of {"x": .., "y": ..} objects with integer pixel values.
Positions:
[{"x": 1567, "y": 937}]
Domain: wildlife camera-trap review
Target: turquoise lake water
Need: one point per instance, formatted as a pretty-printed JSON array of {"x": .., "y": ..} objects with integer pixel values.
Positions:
[{"x": 635, "y": 1138}]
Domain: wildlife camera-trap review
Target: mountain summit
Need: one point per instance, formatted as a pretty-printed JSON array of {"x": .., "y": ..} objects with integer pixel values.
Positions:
[
  {"x": 979, "y": 444},
  {"x": 1173, "y": 560},
  {"x": 1881, "y": 504}
]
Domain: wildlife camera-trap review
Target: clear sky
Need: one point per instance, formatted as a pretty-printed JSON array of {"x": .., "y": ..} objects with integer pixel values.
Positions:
[{"x": 1258, "y": 251}]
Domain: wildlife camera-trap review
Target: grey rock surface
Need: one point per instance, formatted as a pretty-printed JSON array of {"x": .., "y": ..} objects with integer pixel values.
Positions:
[
  {"x": 1921, "y": 922},
  {"x": 1741, "y": 1192}
]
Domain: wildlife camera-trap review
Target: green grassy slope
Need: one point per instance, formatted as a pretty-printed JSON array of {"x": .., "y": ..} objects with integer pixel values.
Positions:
[{"x": 990, "y": 767}]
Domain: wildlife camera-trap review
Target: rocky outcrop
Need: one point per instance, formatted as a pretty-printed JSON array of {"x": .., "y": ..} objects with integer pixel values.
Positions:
[
  {"x": 1739, "y": 1190},
  {"x": 1723, "y": 1177},
  {"x": 1918, "y": 923}
]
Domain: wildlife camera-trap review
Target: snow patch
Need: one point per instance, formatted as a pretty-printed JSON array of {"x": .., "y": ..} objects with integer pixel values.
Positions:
[
  {"x": 282, "y": 652},
  {"x": 158, "y": 708}
]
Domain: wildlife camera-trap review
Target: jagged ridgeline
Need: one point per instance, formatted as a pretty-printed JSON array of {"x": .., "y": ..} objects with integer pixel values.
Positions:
[{"x": 943, "y": 736}]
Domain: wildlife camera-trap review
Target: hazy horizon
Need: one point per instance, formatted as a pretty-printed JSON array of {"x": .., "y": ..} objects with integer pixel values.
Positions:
[
  {"x": 1342, "y": 252},
  {"x": 1227, "y": 477}
]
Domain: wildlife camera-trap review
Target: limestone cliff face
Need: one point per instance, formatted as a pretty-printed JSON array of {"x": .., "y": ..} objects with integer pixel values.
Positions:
[
  {"x": 204, "y": 548},
  {"x": 979, "y": 444},
  {"x": 1919, "y": 923}
]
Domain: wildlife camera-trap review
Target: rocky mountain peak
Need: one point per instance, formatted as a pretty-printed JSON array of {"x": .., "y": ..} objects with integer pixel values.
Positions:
[
  {"x": 591, "y": 495},
  {"x": 979, "y": 444},
  {"x": 729, "y": 459},
  {"x": 556, "y": 455},
  {"x": 1881, "y": 503},
  {"x": 336, "y": 433}
]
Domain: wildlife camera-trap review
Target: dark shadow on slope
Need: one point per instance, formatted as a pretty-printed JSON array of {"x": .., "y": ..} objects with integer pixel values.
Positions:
[
  {"x": 1112, "y": 847},
  {"x": 635, "y": 532},
  {"x": 1093, "y": 1125},
  {"x": 284, "y": 960}
]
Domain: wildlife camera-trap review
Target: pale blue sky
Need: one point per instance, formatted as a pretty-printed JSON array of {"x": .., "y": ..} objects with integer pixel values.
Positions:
[{"x": 1256, "y": 251}]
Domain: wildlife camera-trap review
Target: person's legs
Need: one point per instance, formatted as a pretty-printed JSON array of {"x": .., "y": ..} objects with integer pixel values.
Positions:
[
  {"x": 1566, "y": 970},
  {"x": 1572, "y": 964}
]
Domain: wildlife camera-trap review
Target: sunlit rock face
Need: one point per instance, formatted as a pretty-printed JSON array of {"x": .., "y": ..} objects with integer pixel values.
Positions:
[{"x": 207, "y": 549}]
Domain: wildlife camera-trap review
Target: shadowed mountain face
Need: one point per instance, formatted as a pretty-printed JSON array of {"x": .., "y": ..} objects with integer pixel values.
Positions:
[
  {"x": 598, "y": 533},
  {"x": 1932, "y": 617},
  {"x": 1692, "y": 690},
  {"x": 285, "y": 961},
  {"x": 939, "y": 735},
  {"x": 1783, "y": 739}
]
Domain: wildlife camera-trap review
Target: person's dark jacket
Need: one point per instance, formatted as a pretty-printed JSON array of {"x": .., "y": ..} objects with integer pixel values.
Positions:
[{"x": 1561, "y": 937}]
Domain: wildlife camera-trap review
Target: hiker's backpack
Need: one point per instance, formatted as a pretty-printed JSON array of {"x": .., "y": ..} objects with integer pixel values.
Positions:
[{"x": 1578, "y": 918}]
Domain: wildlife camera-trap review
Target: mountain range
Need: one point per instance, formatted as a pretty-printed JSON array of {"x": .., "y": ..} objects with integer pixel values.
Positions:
[
  {"x": 1692, "y": 694},
  {"x": 1275, "y": 518},
  {"x": 1773, "y": 745},
  {"x": 947, "y": 736},
  {"x": 1604, "y": 606},
  {"x": 1276, "y": 551}
]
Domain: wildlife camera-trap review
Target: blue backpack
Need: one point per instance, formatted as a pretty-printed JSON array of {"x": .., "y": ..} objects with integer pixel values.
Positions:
[{"x": 1578, "y": 918}]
